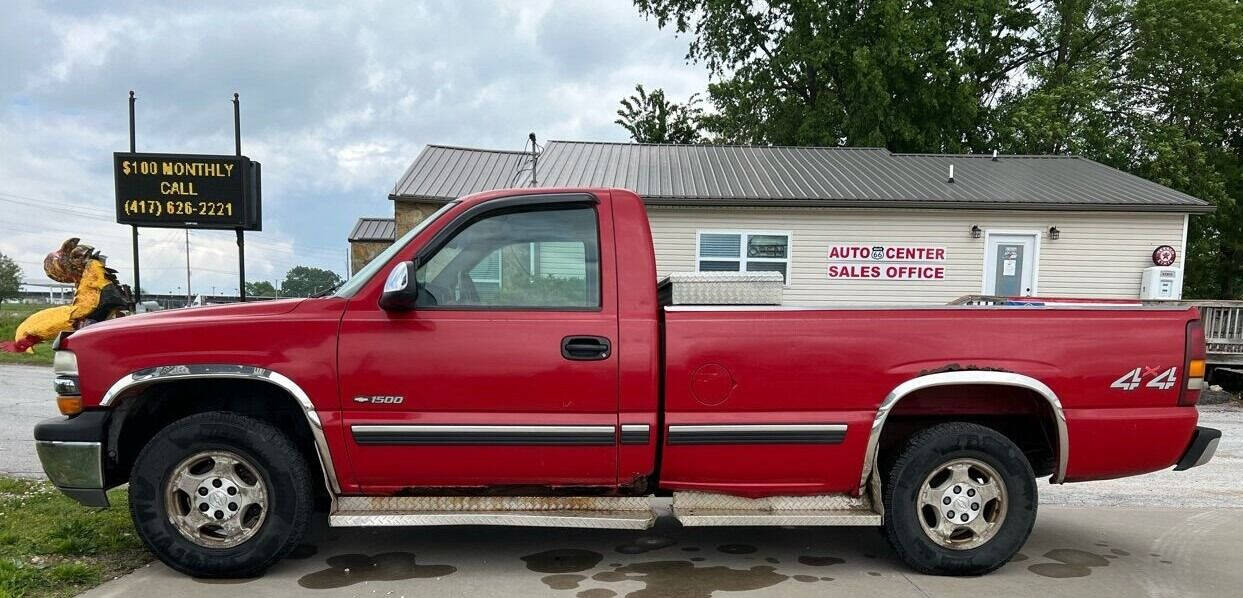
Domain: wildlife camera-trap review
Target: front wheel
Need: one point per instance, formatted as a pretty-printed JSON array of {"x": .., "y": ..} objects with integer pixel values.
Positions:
[
  {"x": 959, "y": 500},
  {"x": 220, "y": 495}
]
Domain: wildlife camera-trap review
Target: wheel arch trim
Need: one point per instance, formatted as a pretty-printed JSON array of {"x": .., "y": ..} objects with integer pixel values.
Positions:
[
  {"x": 168, "y": 373},
  {"x": 969, "y": 378}
]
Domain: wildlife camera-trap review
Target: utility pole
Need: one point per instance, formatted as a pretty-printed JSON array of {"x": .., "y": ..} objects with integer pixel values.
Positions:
[
  {"x": 187, "y": 267},
  {"x": 134, "y": 227},
  {"x": 241, "y": 238}
]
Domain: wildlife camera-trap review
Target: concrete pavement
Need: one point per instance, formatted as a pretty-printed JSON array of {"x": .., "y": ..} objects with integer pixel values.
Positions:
[
  {"x": 26, "y": 397},
  {"x": 1073, "y": 552}
]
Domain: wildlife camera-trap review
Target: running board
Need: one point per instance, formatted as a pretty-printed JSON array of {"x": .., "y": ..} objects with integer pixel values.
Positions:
[
  {"x": 707, "y": 509},
  {"x": 598, "y": 512}
]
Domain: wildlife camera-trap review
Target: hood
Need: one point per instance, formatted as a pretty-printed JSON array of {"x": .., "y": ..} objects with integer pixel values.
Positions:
[{"x": 194, "y": 314}]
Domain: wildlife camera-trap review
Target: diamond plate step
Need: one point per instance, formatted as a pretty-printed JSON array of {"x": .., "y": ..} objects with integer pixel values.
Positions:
[
  {"x": 708, "y": 509},
  {"x": 583, "y": 519},
  {"x": 601, "y": 512}
]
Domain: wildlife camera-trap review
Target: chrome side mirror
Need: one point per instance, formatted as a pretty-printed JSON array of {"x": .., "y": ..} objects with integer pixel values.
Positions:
[{"x": 401, "y": 289}]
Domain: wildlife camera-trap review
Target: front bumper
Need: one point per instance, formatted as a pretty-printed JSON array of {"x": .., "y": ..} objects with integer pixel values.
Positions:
[
  {"x": 71, "y": 450},
  {"x": 1203, "y": 445}
]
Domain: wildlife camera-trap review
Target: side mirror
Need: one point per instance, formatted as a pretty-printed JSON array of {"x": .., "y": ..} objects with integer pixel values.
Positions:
[{"x": 401, "y": 290}]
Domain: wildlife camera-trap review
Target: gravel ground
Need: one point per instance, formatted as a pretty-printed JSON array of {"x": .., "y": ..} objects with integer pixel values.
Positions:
[{"x": 26, "y": 397}]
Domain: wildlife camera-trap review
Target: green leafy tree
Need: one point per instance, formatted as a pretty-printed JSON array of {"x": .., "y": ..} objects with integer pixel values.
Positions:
[
  {"x": 10, "y": 277},
  {"x": 304, "y": 281},
  {"x": 261, "y": 288},
  {"x": 1153, "y": 87},
  {"x": 651, "y": 118}
]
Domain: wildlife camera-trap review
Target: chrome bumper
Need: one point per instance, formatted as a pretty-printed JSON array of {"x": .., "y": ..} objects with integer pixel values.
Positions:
[
  {"x": 76, "y": 468},
  {"x": 71, "y": 450}
]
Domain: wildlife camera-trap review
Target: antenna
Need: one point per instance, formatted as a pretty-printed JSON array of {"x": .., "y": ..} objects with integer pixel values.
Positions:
[
  {"x": 951, "y": 179},
  {"x": 534, "y": 159}
]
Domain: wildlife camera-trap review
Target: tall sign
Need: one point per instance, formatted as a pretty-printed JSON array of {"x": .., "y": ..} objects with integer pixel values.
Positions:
[{"x": 189, "y": 191}]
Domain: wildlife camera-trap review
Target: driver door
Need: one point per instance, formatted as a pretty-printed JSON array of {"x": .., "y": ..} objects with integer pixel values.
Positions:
[{"x": 504, "y": 373}]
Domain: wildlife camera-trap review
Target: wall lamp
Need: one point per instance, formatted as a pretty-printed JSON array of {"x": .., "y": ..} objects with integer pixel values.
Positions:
[
  {"x": 1054, "y": 234},
  {"x": 975, "y": 231}
]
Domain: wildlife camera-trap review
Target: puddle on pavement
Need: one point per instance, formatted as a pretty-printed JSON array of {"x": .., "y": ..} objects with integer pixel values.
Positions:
[
  {"x": 772, "y": 560},
  {"x": 1018, "y": 557},
  {"x": 1072, "y": 563},
  {"x": 806, "y": 578},
  {"x": 874, "y": 573},
  {"x": 820, "y": 561},
  {"x": 563, "y": 581},
  {"x": 682, "y": 579},
  {"x": 596, "y": 593},
  {"x": 562, "y": 560},
  {"x": 645, "y": 544},
  {"x": 1119, "y": 552},
  {"x": 348, "y": 569},
  {"x": 736, "y": 548}
]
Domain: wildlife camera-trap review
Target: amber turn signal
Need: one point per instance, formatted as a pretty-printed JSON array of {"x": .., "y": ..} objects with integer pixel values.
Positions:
[
  {"x": 69, "y": 405},
  {"x": 1195, "y": 369}
]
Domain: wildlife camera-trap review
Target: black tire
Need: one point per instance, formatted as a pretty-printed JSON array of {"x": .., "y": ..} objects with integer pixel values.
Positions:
[
  {"x": 280, "y": 466},
  {"x": 927, "y": 451}
]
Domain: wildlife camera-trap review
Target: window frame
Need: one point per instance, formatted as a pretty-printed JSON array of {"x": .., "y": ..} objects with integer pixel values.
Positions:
[
  {"x": 744, "y": 237},
  {"x": 512, "y": 205}
]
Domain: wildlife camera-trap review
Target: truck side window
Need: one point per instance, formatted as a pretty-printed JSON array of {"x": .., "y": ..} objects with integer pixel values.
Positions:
[{"x": 548, "y": 258}]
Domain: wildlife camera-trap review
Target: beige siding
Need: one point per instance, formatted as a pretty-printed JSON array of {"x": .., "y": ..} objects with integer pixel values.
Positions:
[{"x": 1098, "y": 255}]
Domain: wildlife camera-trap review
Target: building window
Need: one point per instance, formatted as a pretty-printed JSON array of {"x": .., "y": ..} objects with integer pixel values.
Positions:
[{"x": 743, "y": 251}]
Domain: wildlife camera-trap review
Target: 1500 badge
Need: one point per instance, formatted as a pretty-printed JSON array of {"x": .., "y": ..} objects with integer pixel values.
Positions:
[
  {"x": 380, "y": 400},
  {"x": 1162, "y": 379}
]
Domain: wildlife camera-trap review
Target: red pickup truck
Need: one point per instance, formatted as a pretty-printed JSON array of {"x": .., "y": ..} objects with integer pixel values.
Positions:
[{"x": 509, "y": 362}]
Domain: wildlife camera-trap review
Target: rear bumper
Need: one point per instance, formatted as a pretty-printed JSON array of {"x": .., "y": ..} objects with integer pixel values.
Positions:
[
  {"x": 71, "y": 450},
  {"x": 1203, "y": 445}
]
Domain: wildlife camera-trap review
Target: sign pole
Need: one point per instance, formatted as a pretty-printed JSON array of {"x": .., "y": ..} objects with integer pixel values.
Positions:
[
  {"x": 134, "y": 227},
  {"x": 241, "y": 237}
]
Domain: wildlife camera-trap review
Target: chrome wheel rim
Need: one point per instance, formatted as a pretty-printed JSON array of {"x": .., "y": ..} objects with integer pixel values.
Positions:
[
  {"x": 216, "y": 499},
  {"x": 962, "y": 504}
]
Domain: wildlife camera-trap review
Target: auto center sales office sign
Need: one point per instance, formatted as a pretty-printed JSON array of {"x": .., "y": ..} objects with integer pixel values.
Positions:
[{"x": 883, "y": 261}]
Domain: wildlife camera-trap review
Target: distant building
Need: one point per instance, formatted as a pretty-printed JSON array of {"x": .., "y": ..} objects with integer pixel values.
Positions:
[{"x": 846, "y": 225}]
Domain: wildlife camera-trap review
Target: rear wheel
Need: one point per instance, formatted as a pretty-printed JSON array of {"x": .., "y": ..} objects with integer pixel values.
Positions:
[
  {"x": 220, "y": 495},
  {"x": 959, "y": 500}
]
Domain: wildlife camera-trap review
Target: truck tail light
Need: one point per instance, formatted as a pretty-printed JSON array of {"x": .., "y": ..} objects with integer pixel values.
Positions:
[{"x": 1193, "y": 355}]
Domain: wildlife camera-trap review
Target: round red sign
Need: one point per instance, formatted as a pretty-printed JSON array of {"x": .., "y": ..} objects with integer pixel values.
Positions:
[{"x": 1164, "y": 256}]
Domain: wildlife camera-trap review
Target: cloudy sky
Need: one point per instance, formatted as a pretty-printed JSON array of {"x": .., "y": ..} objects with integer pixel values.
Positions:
[{"x": 337, "y": 99}]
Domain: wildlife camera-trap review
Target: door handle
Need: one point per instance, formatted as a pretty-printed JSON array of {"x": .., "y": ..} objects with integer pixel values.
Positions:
[{"x": 585, "y": 348}]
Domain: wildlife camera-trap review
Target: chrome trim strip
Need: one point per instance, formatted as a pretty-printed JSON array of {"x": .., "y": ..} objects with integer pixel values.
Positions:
[
  {"x": 147, "y": 376},
  {"x": 757, "y": 434},
  {"x": 969, "y": 377},
  {"x": 759, "y": 428},
  {"x": 898, "y": 307},
  {"x": 636, "y": 434},
  {"x": 431, "y": 434},
  {"x": 729, "y": 517}
]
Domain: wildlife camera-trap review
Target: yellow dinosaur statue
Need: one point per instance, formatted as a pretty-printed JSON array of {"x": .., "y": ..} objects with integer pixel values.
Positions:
[{"x": 97, "y": 296}]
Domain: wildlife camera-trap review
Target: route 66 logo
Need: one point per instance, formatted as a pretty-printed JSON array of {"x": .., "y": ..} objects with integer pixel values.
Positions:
[{"x": 878, "y": 252}]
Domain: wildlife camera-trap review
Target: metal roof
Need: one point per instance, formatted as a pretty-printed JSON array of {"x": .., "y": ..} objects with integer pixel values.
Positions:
[
  {"x": 374, "y": 229},
  {"x": 721, "y": 175},
  {"x": 446, "y": 172}
]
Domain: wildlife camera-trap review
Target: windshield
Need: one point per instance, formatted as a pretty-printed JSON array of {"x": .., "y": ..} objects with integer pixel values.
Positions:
[{"x": 361, "y": 277}]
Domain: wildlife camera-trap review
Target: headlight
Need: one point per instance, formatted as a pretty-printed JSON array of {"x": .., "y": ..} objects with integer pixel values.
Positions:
[{"x": 68, "y": 394}]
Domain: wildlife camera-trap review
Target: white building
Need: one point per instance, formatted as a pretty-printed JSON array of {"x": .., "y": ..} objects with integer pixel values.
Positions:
[{"x": 847, "y": 225}]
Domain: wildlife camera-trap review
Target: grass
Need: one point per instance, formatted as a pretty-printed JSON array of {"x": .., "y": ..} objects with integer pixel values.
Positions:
[
  {"x": 12, "y": 314},
  {"x": 52, "y": 546}
]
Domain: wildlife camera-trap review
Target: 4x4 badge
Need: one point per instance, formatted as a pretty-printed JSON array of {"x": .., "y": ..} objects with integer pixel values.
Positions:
[{"x": 380, "y": 399}]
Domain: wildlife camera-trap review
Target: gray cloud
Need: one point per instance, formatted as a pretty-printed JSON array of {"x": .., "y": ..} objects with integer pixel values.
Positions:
[{"x": 337, "y": 98}]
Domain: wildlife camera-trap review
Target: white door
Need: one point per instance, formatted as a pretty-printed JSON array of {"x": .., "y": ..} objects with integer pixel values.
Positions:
[{"x": 1010, "y": 264}]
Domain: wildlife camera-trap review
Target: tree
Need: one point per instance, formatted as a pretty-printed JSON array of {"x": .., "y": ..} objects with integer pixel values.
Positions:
[
  {"x": 10, "y": 277},
  {"x": 651, "y": 118},
  {"x": 1153, "y": 87},
  {"x": 304, "y": 281},
  {"x": 261, "y": 288}
]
